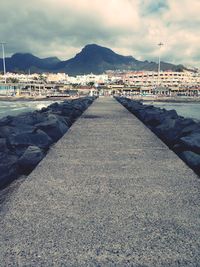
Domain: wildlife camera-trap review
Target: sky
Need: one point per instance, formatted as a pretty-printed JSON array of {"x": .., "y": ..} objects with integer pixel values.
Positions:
[{"x": 129, "y": 27}]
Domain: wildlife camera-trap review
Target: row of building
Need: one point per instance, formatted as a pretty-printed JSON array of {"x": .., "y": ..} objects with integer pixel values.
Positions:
[
  {"x": 166, "y": 83},
  {"x": 131, "y": 78}
]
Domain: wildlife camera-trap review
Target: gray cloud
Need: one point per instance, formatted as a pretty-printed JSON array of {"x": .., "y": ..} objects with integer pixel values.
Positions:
[
  {"x": 151, "y": 7},
  {"x": 131, "y": 27}
]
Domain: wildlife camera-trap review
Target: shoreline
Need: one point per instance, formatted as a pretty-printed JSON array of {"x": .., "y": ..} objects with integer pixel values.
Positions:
[
  {"x": 61, "y": 98},
  {"x": 31, "y": 99},
  {"x": 167, "y": 99}
]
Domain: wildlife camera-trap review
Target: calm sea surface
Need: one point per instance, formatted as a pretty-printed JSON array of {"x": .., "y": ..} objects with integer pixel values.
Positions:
[
  {"x": 187, "y": 110},
  {"x": 17, "y": 107}
]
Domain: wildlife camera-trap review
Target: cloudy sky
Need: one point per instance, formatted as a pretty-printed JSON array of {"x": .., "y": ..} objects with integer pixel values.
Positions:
[{"x": 130, "y": 27}]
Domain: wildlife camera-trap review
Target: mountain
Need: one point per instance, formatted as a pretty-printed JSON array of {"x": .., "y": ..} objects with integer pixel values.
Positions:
[
  {"x": 92, "y": 59},
  {"x": 96, "y": 59},
  {"x": 25, "y": 62}
]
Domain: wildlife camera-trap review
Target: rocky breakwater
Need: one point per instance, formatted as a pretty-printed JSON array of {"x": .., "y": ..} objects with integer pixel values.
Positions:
[
  {"x": 25, "y": 139},
  {"x": 182, "y": 135}
]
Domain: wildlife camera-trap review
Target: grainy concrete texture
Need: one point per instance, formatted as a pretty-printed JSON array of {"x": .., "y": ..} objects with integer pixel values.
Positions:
[{"x": 109, "y": 193}]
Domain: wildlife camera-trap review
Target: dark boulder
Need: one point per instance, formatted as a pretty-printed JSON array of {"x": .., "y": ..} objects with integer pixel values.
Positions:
[
  {"x": 193, "y": 127},
  {"x": 156, "y": 116},
  {"x": 3, "y": 145},
  {"x": 29, "y": 118},
  {"x": 192, "y": 159},
  {"x": 8, "y": 168},
  {"x": 170, "y": 130},
  {"x": 53, "y": 106},
  {"x": 136, "y": 108},
  {"x": 166, "y": 131},
  {"x": 67, "y": 109},
  {"x": 31, "y": 157},
  {"x": 191, "y": 142},
  {"x": 38, "y": 138},
  {"x": 6, "y": 120},
  {"x": 55, "y": 127},
  {"x": 7, "y": 130}
]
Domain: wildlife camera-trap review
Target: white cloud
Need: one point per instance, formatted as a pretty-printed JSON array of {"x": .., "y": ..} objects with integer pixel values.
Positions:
[{"x": 131, "y": 27}]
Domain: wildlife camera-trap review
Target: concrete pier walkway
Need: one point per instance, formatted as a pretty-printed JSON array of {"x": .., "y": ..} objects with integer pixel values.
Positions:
[{"x": 109, "y": 193}]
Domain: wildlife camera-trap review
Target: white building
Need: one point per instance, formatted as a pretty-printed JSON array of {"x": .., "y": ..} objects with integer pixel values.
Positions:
[
  {"x": 56, "y": 77},
  {"x": 166, "y": 79}
]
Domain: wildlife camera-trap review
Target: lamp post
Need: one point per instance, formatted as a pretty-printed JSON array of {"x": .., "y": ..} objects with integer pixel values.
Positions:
[
  {"x": 160, "y": 45},
  {"x": 4, "y": 61}
]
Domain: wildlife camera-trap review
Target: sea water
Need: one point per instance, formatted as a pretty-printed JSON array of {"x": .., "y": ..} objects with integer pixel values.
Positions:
[
  {"x": 16, "y": 107},
  {"x": 186, "y": 109}
]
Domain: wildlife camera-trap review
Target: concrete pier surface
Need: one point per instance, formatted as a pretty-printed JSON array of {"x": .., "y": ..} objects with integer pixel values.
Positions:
[{"x": 109, "y": 193}]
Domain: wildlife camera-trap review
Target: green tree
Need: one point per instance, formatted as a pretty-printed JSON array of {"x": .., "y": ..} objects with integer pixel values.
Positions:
[
  {"x": 91, "y": 84},
  {"x": 12, "y": 80}
]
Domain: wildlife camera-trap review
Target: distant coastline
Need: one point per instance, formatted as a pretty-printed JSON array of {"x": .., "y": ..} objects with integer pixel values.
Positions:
[
  {"x": 142, "y": 98},
  {"x": 16, "y": 99},
  {"x": 169, "y": 99}
]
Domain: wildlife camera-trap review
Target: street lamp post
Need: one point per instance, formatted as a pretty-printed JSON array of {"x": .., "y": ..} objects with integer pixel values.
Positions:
[
  {"x": 4, "y": 61},
  {"x": 160, "y": 45}
]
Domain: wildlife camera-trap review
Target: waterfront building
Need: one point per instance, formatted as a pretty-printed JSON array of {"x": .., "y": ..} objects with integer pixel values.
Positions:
[
  {"x": 56, "y": 77},
  {"x": 165, "y": 79}
]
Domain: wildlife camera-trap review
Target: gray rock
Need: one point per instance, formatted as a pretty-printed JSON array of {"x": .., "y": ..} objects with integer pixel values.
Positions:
[
  {"x": 38, "y": 138},
  {"x": 31, "y": 157},
  {"x": 7, "y": 130},
  {"x": 6, "y": 120},
  {"x": 193, "y": 127},
  {"x": 192, "y": 159},
  {"x": 156, "y": 116},
  {"x": 29, "y": 118},
  {"x": 170, "y": 130},
  {"x": 54, "y": 127},
  {"x": 8, "y": 168},
  {"x": 191, "y": 142},
  {"x": 3, "y": 145}
]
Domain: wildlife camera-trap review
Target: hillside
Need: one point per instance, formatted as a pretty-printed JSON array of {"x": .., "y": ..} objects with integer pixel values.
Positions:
[{"x": 92, "y": 59}]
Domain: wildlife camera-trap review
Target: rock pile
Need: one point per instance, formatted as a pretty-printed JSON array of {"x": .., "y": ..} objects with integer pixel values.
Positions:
[
  {"x": 180, "y": 134},
  {"x": 25, "y": 139}
]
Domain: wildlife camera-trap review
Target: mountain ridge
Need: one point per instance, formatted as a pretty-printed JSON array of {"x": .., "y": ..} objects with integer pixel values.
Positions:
[{"x": 91, "y": 59}]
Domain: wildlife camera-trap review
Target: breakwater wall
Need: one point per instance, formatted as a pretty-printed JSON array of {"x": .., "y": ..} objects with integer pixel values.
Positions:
[
  {"x": 182, "y": 135},
  {"x": 26, "y": 138}
]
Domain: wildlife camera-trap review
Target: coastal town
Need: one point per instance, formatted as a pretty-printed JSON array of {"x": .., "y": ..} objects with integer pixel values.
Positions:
[{"x": 136, "y": 83}]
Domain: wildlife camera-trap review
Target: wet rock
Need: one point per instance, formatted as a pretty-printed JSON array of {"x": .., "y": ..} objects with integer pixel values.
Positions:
[{"x": 31, "y": 157}]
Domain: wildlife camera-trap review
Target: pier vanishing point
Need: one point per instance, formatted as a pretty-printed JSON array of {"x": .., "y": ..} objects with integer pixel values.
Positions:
[{"x": 108, "y": 193}]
